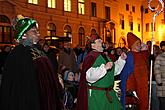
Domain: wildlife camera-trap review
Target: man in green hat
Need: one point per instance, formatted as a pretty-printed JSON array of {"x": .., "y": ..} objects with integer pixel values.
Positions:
[{"x": 28, "y": 82}]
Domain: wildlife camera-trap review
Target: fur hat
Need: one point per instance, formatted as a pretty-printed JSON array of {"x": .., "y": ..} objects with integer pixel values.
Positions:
[
  {"x": 91, "y": 40},
  {"x": 94, "y": 37},
  {"x": 21, "y": 25},
  {"x": 131, "y": 39}
]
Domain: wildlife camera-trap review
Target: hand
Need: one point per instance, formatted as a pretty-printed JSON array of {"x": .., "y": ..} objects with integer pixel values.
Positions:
[
  {"x": 144, "y": 46},
  {"x": 123, "y": 56},
  {"x": 116, "y": 86},
  {"x": 160, "y": 84},
  {"x": 106, "y": 53},
  {"x": 108, "y": 65}
]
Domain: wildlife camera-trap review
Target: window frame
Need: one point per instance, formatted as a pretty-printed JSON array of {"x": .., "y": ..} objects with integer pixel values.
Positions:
[
  {"x": 33, "y": 2},
  {"x": 67, "y": 5},
  {"x": 81, "y": 6},
  {"x": 93, "y": 9},
  {"x": 51, "y": 4}
]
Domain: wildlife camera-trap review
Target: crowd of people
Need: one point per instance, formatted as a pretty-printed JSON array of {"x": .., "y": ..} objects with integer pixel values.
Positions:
[{"x": 35, "y": 76}]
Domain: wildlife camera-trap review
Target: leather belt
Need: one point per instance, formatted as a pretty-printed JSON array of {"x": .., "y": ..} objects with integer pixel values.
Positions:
[{"x": 103, "y": 89}]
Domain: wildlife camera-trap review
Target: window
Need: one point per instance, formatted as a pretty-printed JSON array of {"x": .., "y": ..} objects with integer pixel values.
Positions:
[
  {"x": 93, "y": 31},
  {"x": 131, "y": 22},
  {"x": 122, "y": 24},
  {"x": 81, "y": 35},
  {"x": 146, "y": 10},
  {"x": 122, "y": 42},
  {"x": 133, "y": 8},
  {"x": 121, "y": 21},
  {"x": 4, "y": 19},
  {"x": 67, "y": 31},
  {"x": 51, "y": 29},
  {"x": 138, "y": 27},
  {"x": 127, "y": 7},
  {"x": 67, "y": 5},
  {"x": 147, "y": 27},
  {"x": 93, "y": 5},
  {"x": 5, "y": 30},
  {"x": 52, "y": 3},
  {"x": 33, "y": 1},
  {"x": 152, "y": 27},
  {"x": 131, "y": 26},
  {"x": 81, "y": 7},
  {"x": 107, "y": 13}
]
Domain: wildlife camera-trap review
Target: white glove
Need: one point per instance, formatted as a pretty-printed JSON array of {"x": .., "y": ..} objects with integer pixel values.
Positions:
[{"x": 116, "y": 86}]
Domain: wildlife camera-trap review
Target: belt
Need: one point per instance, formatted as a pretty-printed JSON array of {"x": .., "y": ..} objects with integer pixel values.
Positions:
[{"x": 103, "y": 89}]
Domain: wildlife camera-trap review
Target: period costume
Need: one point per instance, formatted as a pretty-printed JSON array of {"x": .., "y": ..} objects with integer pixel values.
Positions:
[
  {"x": 28, "y": 81},
  {"x": 134, "y": 76},
  {"x": 96, "y": 90}
]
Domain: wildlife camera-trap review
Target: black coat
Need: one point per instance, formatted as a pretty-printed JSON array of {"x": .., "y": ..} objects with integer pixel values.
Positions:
[{"x": 28, "y": 82}]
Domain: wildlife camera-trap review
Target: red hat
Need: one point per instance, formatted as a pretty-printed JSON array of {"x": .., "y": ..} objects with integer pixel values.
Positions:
[
  {"x": 94, "y": 37},
  {"x": 131, "y": 39}
]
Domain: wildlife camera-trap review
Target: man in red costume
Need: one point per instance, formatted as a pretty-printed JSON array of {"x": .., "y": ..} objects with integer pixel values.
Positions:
[{"x": 135, "y": 73}]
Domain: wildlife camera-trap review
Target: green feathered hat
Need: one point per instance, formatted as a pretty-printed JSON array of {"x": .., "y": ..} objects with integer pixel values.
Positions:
[{"x": 22, "y": 25}]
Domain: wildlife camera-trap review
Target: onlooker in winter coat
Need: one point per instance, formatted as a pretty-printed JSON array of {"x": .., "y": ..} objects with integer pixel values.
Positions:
[
  {"x": 159, "y": 71},
  {"x": 67, "y": 57}
]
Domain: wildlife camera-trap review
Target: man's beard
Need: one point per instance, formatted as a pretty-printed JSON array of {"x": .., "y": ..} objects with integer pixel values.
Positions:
[{"x": 27, "y": 42}]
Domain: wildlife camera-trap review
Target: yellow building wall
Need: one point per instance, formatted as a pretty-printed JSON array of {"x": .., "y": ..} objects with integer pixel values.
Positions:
[{"x": 60, "y": 18}]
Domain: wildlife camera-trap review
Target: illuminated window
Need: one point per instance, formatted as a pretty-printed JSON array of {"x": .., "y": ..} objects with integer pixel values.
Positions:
[
  {"x": 33, "y": 1},
  {"x": 122, "y": 42},
  {"x": 67, "y": 31},
  {"x": 81, "y": 35},
  {"x": 52, "y": 3},
  {"x": 5, "y": 30},
  {"x": 51, "y": 29},
  {"x": 81, "y": 7},
  {"x": 67, "y": 5}
]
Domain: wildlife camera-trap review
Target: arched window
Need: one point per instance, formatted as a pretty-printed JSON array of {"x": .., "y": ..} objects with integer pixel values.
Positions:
[
  {"x": 122, "y": 42},
  {"x": 67, "y": 31},
  {"x": 81, "y": 34},
  {"x": 51, "y": 29},
  {"x": 5, "y": 30},
  {"x": 93, "y": 31},
  {"x": 4, "y": 19}
]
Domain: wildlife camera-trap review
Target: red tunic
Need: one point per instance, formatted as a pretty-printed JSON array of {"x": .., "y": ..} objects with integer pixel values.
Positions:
[
  {"x": 82, "y": 100},
  {"x": 138, "y": 81}
]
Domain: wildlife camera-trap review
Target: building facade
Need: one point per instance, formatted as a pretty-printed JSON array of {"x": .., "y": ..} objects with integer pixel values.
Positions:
[{"x": 77, "y": 19}]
